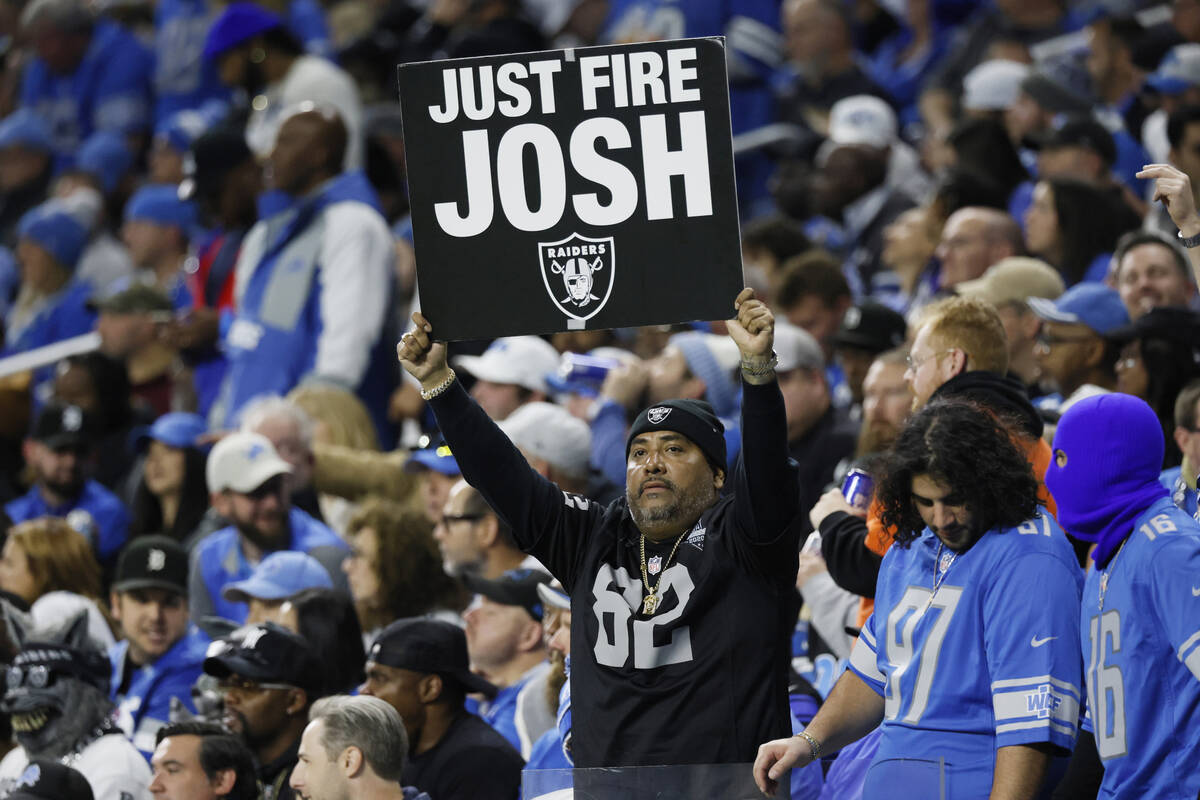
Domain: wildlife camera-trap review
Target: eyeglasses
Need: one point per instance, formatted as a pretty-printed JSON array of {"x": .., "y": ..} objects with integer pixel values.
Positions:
[
  {"x": 915, "y": 364},
  {"x": 35, "y": 677},
  {"x": 236, "y": 683}
]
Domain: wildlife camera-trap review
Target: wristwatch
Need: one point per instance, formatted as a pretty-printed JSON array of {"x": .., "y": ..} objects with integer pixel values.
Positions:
[{"x": 1189, "y": 241}]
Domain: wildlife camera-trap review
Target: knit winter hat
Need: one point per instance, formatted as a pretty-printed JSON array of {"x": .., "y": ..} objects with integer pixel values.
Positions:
[{"x": 693, "y": 418}]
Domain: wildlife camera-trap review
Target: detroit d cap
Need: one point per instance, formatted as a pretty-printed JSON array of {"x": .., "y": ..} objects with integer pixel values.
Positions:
[
  {"x": 63, "y": 426},
  {"x": 516, "y": 587},
  {"x": 267, "y": 653},
  {"x": 152, "y": 562},
  {"x": 49, "y": 780},
  {"x": 428, "y": 645},
  {"x": 242, "y": 462}
]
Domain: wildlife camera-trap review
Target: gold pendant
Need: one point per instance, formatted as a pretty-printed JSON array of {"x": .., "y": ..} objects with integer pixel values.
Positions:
[{"x": 650, "y": 604}]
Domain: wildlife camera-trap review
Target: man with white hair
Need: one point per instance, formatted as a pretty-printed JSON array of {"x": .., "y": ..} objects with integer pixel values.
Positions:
[
  {"x": 313, "y": 281},
  {"x": 510, "y": 373},
  {"x": 290, "y": 429},
  {"x": 354, "y": 748}
]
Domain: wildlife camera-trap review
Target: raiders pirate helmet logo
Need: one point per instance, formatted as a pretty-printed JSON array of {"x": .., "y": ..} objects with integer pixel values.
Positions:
[
  {"x": 657, "y": 414},
  {"x": 578, "y": 272}
]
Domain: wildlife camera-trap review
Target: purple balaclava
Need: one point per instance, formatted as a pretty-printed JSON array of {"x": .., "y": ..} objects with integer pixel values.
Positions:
[{"x": 1114, "y": 447}]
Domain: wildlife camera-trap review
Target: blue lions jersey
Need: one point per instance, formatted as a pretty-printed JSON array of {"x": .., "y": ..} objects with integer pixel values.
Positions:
[
  {"x": 986, "y": 661},
  {"x": 1141, "y": 651}
]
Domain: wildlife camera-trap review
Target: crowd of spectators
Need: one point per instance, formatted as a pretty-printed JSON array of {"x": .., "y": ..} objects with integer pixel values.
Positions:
[{"x": 207, "y": 448}]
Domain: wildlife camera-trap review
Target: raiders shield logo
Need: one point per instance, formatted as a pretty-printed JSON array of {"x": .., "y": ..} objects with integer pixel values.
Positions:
[
  {"x": 578, "y": 272},
  {"x": 657, "y": 414}
]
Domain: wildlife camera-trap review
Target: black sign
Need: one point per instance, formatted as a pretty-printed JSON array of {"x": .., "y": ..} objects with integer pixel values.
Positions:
[{"x": 570, "y": 189}]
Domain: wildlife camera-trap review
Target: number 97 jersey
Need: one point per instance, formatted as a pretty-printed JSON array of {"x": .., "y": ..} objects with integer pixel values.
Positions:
[
  {"x": 987, "y": 661},
  {"x": 1141, "y": 654}
]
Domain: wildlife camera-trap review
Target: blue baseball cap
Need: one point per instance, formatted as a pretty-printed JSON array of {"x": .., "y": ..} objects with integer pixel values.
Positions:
[
  {"x": 105, "y": 155},
  {"x": 159, "y": 203},
  {"x": 435, "y": 457},
  {"x": 237, "y": 23},
  {"x": 1178, "y": 72},
  {"x": 26, "y": 129},
  {"x": 1092, "y": 304},
  {"x": 182, "y": 128},
  {"x": 279, "y": 576},
  {"x": 177, "y": 429},
  {"x": 56, "y": 231}
]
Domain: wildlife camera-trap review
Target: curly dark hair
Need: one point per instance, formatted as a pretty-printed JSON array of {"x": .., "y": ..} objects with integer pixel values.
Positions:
[{"x": 960, "y": 444}]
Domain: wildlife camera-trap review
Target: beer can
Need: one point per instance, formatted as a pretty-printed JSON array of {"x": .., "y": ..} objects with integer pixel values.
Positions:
[
  {"x": 858, "y": 487},
  {"x": 575, "y": 367}
]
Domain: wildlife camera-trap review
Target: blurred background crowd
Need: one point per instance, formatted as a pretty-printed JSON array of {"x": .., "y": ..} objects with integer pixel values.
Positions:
[{"x": 203, "y": 207}]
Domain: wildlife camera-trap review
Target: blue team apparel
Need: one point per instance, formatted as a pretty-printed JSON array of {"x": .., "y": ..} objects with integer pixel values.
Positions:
[
  {"x": 1141, "y": 650},
  {"x": 987, "y": 661},
  {"x": 220, "y": 559},
  {"x": 1183, "y": 495},
  {"x": 183, "y": 79},
  {"x": 96, "y": 513},
  {"x": 109, "y": 90},
  {"x": 146, "y": 705}
]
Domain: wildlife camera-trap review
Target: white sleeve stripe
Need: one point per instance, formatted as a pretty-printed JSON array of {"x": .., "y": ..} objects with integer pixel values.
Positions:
[
  {"x": 1044, "y": 705},
  {"x": 868, "y": 637},
  {"x": 862, "y": 658},
  {"x": 745, "y": 28},
  {"x": 1193, "y": 663},
  {"x": 1034, "y": 682},
  {"x": 1069, "y": 730},
  {"x": 1193, "y": 639}
]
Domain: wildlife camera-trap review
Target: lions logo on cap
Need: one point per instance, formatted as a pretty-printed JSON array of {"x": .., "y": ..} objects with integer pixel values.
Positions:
[
  {"x": 657, "y": 414},
  {"x": 156, "y": 561}
]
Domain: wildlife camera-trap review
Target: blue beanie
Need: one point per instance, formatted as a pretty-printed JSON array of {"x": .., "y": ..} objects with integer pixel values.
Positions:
[
  {"x": 720, "y": 389},
  {"x": 160, "y": 204},
  {"x": 237, "y": 23},
  {"x": 1114, "y": 447},
  {"x": 106, "y": 156},
  {"x": 55, "y": 231},
  {"x": 26, "y": 129}
]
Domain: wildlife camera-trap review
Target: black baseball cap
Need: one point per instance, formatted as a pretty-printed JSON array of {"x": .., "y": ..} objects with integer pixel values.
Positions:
[
  {"x": 1077, "y": 130},
  {"x": 1173, "y": 324},
  {"x": 152, "y": 562},
  {"x": 266, "y": 652},
  {"x": 48, "y": 780},
  {"x": 872, "y": 327},
  {"x": 429, "y": 646},
  {"x": 516, "y": 587},
  {"x": 60, "y": 426}
]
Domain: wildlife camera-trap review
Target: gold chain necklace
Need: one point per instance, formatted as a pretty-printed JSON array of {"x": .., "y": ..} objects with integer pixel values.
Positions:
[{"x": 650, "y": 603}]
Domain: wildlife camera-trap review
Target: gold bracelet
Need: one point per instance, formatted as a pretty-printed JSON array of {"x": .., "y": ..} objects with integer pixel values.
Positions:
[
  {"x": 756, "y": 368},
  {"x": 813, "y": 744},
  {"x": 441, "y": 387}
]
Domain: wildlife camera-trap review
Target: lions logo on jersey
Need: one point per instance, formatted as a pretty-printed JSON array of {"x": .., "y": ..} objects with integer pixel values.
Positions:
[{"x": 578, "y": 272}]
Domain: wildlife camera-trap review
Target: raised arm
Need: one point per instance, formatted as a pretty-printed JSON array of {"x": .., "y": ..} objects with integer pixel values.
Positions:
[
  {"x": 770, "y": 484},
  {"x": 1174, "y": 189},
  {"x": 544, "y": 522}
]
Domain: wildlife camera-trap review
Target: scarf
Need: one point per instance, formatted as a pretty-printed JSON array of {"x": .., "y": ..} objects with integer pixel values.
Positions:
[{"x": 1113, "y": 448}]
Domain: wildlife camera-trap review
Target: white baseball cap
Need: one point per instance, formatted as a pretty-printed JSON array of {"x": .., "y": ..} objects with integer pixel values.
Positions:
[
  {"x": 863, "y": 119},
  {"x": 521, "y": 360},
  {"x": 551, "y": 433},
  {"x": 993, "y": 85},
  {"x": 796, "y": 348},
  {"x": 243, "y": 462}
]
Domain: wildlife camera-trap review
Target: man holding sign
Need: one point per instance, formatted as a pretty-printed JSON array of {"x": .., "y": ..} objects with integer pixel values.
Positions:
[{"x": 682, "y": 598}]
